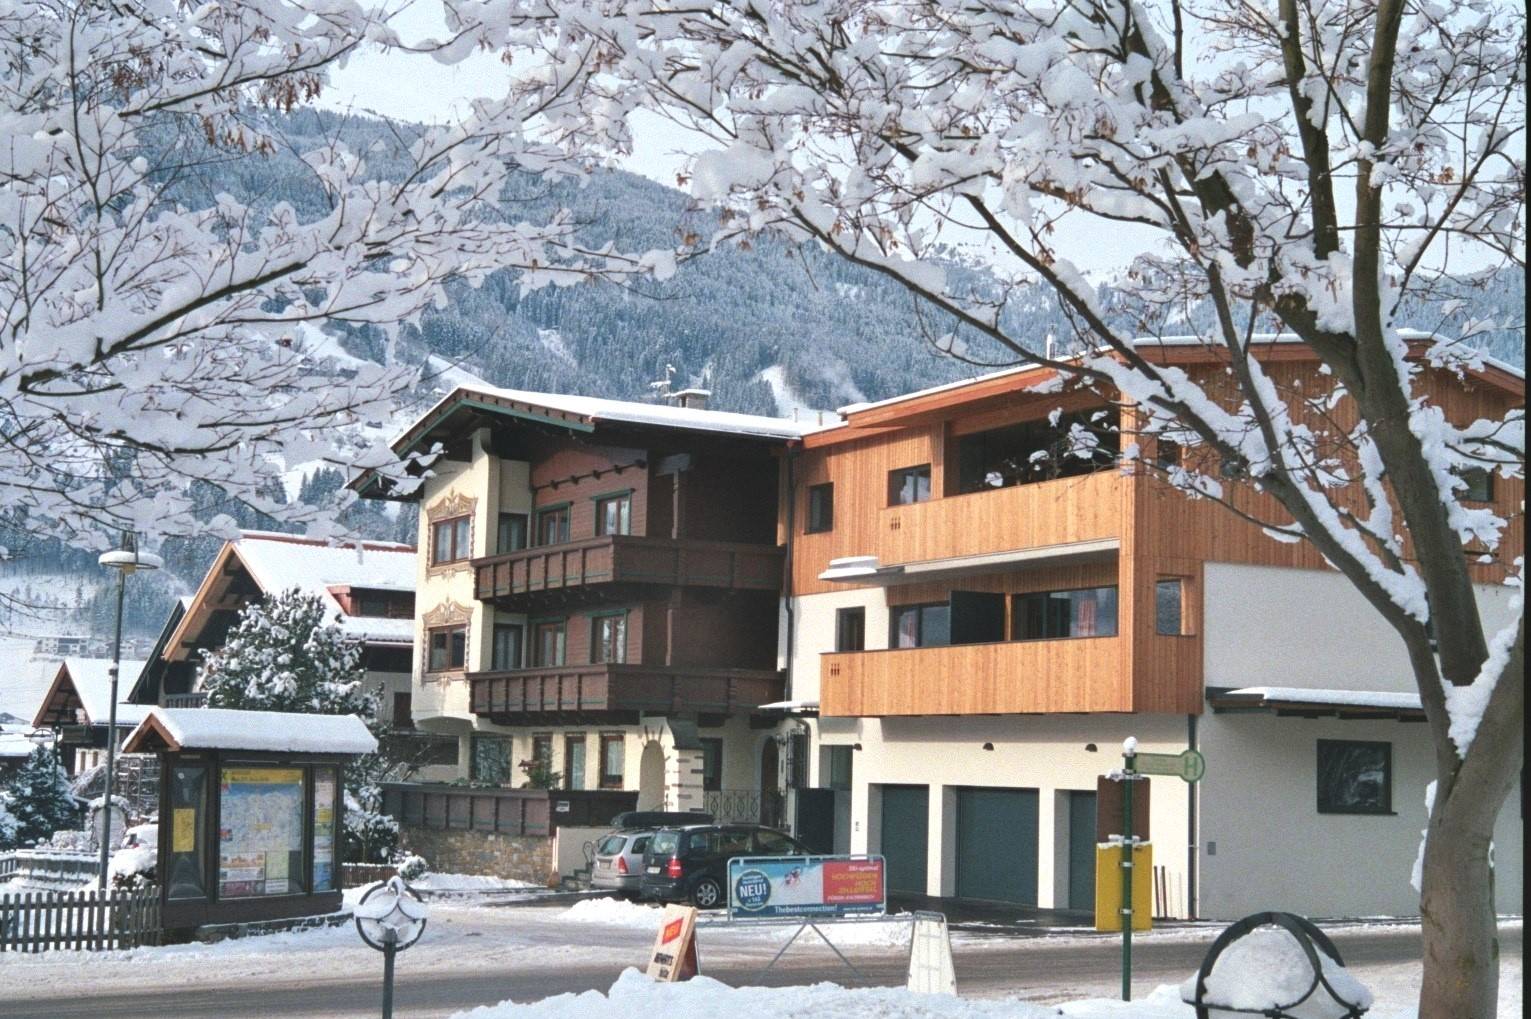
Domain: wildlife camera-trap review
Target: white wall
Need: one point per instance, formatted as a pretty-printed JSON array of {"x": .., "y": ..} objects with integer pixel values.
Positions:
[
  {"x": 1274, "y": 850},
  {"x": 1273, "y": 626},
  {"x": 1046, "y": 753},
  {"x": 815, "y": 631}
]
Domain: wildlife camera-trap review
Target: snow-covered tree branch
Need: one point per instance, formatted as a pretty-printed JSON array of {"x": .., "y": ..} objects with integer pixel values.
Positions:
[{"x": 1291, "y": 168}]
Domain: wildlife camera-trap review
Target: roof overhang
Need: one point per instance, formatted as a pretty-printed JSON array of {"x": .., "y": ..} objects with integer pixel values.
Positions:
[
  {"x": 1296, "y": 702},
  {"x": 866, "y": 570}
]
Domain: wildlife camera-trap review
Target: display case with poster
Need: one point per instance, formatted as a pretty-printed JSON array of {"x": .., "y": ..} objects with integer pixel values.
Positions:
[
  {"x": 324, "y": 829},
  {"x": 260, "y": 831}
]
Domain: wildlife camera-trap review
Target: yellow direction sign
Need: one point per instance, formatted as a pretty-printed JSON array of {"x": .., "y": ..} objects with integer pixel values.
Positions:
[{"x": 1188, "y": 765}]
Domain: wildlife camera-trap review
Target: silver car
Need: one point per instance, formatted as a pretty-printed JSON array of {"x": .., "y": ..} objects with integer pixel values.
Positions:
[{"x": 618, "y": 864}]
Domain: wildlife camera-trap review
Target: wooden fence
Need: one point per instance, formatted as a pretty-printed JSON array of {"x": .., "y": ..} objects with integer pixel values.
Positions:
[{"x": 39, "y": 921}]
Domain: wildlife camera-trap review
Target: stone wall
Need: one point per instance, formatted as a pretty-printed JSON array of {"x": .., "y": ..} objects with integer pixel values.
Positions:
[{"x": 523, "y": 857}]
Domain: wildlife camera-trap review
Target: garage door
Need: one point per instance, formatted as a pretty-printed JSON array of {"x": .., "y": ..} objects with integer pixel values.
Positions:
[
  {"x": 1081, "y": 850},
  {"x": 997, "y": 844},
  {"x": 905, "y": 836}
]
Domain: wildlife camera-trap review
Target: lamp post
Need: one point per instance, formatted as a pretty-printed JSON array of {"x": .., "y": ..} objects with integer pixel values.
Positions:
[
  {"x": 124, "y": 560},
  {"x": 390, "y": 918}
]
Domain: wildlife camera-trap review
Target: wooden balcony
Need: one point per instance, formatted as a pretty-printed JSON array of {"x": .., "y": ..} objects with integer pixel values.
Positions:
[
  {"x": 616, "y": 694},
  {"x": 598, "y": 568},
  {"x": 1082, "y": 674},
  {"x": 506, "y": 811}
]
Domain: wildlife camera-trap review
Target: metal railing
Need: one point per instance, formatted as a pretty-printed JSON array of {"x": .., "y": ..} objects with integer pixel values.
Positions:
[{"x": 197, "y": 699}]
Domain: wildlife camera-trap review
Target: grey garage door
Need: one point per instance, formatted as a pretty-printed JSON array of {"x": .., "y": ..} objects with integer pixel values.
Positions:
[
  {"x": 1081, "y": 850},
  {"x": 905, "y": 836},
  {"x": 997, "y": 845}
]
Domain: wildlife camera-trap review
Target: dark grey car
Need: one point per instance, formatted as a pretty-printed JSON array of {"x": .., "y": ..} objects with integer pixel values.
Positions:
[{"x": 618, "y": 864}]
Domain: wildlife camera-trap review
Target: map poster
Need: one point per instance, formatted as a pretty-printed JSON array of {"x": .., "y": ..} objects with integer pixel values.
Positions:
[
  {"x": 324, "y": 829},
  {"x": 260, "y": 831},
  {"x": 805, "y": 886}
]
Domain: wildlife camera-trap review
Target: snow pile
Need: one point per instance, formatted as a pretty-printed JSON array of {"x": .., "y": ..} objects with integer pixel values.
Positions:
[
  {"x": 436, "y": 882},
  {"x": 132, "y": 867},
  {"x": 614, "y": 913},
  {"x": 1267, "y": 968},
  {"x": 704, "y": 998}
]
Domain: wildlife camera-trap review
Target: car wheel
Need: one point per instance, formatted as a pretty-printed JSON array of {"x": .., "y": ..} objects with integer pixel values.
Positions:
[{"x": 707, "y": 894}]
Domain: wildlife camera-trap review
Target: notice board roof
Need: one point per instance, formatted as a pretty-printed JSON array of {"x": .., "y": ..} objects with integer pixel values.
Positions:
[{"x": 228, "y": 729}]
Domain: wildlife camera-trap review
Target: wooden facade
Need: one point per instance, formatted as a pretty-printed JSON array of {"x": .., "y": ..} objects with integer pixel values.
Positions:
[
  {"x": 1159, "y": 534},
  {"x": 618, "y": 694}
]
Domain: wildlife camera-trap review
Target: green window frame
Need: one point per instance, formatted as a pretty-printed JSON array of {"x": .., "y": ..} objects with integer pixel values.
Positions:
[
  {"x": 553, "y": 524},
  {"x": 608, "y": 638},
  {"x": 613, "y": 513}
]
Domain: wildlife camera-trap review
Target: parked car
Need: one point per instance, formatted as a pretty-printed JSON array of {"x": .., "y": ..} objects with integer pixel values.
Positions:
[
  {"x": 618, "y": 863},
  {"x": 690, "y": 864}
]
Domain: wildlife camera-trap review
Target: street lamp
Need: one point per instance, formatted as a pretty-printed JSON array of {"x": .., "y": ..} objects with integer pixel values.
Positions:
[
  {"x": 390, "y": 918},
  {"x": 124, "y": 560}
]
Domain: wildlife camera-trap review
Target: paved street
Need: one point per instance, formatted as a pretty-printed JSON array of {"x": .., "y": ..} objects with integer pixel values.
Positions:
[{"x": 1040, "y": 969}]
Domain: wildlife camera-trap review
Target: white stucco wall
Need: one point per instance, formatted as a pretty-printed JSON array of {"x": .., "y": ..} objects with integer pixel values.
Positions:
[
  {"x": 1272, "y": 626},
  {"x": 1046, "y": 753},
  {"x": 814, "y": 626},
  {"x": 1274, "y": 850}
]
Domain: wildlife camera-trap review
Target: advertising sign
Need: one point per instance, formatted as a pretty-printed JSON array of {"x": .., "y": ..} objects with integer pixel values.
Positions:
[
  {"x": 674, "y": 954},
  {"x": 762, "y": 887}
]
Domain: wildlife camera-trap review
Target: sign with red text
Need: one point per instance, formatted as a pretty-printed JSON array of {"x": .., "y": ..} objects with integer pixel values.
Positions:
[
  {"x": 768, "y": 887},
  {"x": 674, "y": 954}
]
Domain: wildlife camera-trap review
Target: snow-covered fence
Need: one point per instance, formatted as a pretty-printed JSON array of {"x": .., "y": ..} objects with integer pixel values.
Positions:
[
  {"x": 43, "y": 870},
  {"x": 40, "y": 921}
]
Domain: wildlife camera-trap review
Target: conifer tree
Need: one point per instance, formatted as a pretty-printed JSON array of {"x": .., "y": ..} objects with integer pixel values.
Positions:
[
  {"x": 36, "y": 800},
  {"x": 283, "y": 655}
]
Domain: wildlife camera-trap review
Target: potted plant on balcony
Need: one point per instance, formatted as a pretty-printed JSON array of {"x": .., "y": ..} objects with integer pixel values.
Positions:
[{"x": 539, "y": 774}]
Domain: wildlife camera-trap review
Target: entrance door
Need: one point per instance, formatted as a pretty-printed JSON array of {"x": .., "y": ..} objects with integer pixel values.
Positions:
[
  {"x": 1081, "y": 850},
  {"x": 815, "y": 826},
  {"x": 905, "y": 836},
  {"x": 770, "y": 789},
  {"x": 997, "y": 845}
]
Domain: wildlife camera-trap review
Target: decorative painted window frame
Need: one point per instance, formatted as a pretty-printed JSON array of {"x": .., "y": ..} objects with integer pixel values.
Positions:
[
  {"x": 447, "y": 614},
  {"x": 450, "y": 507}
]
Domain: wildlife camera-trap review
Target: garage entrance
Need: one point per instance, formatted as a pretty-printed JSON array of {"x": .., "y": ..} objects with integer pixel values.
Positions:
[
  {"x": 905, "y": 836},
  {"x": 997, "y": 845},
  {"x": 1081, "y": 850}
]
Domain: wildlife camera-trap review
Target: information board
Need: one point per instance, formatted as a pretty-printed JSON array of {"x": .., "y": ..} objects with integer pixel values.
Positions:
[
  {"x": 806, "y": 886},
  {"x": 260, "y": 831}
]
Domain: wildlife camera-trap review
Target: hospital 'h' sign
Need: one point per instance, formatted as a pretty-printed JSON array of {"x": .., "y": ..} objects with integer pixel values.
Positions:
[{"x": 768, "y": 887}]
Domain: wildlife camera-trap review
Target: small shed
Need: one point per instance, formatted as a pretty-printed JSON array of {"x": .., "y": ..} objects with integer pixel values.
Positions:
[{"x": 251, "y": 805}]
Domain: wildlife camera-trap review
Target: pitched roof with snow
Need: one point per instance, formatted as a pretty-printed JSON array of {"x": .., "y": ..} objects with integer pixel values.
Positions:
[
  {"x": 86, "y": 683},
  {"x": 228, "y": 729},
  {"x": 280, "y": 562}
]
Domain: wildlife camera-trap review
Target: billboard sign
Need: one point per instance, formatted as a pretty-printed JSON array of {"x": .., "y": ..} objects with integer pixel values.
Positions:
[{"x": 771, "y": 887}]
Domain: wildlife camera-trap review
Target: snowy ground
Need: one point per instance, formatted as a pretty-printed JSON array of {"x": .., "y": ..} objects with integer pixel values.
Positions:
[{"x": 468, "y": 939}]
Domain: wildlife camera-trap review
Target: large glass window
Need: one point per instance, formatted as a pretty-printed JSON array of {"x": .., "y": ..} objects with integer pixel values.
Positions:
[
  {"x": 188, "y": 824},
  {"x": 324, "y": 829},
  {"x": 511, "y": 534},
  {"x": 1355, "y": 777},
  {"x": 851, "y": 629},
  {"x": 821, "y": 509},
  {"x": 553, "y": 525},
  {"x": 1035, "y": 451},
  {"x": 909, "y": 485},
  {"x": 451, "y": 540},
  {"x": 1042, "y": 615},
  {"x": 489, "y": 759},
  {"x": 613, "y": 750},
  {"x": 574, "y": 761},
  {"x": 614, "y": 514},
  {"x": 260, "y": 832},
  {"x": 505, "y": 653},
  {"x": 448, "y": 648},
  {"x": 608, "y": 639},
  {"x": 920, "y": 625},
  {"x": 548, "y": 643},
  {"x": 1169, "y": 613}
]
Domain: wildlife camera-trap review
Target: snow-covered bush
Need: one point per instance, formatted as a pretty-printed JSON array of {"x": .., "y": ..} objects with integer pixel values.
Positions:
[
  {"x": 412, "y": 867},
  {"x": 39, "y": 799},
  {"x": 133, "y": 867},
  {"x": 70, "y": 840},
  {"x": 8, "y": 824}
]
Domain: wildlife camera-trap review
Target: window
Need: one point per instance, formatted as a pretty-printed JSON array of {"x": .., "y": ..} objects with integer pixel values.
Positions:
[
  {"x": 920, "y": 625},
  {"x": 511, "y": 533},
  {"x": 1168, "y": 453},
  {"x": 712, "y": 764},
  {"x": 821, "y": 509},
  {"x": 553, "y": 525},
  {"x": 840, "y": 765},
  {"x": 379, "y": 605},
  {"x": 260, "y": 831},
  {"x": 187, "y": 878},
  {"x": 1169, "y": 612},
  {"x": 1035, "y": 451},
  {"x": 774, "y": 843},
  {"x": 505, "y": 649},
  {"x": 1089, "y": 612},
  {"x": 1479, "y": 484},
  {"x": 909, "y": 485},
  {"x": 574, "y": 761},
  {"x": 608, "y": 639},
  {"x": 613, "y": 750},
  {"x": 403, "y": 711},
  {"x": 451, "y": 540},
  {"x": 489, "y": 760},
  {"x": 548, "y": 643},
  {"x": 1355, "y": 777},
  {"x": 851, "y": 629},
  {"x": 448, "y": 648},
  {"x": 614, "y": 514}
]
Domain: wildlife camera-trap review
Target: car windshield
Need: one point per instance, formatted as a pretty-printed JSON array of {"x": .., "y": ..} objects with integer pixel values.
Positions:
[
  {"x": 611, "y": 845},
  {"x": 665, "y": 842}
]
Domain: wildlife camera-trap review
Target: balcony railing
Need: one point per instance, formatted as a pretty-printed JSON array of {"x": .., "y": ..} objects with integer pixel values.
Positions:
[
  {"x": 529, "y": 575},
  {"x": 197, "y": 699},
  {"x": 1082, "y": 674},
  {"x": 616, "y": 693}
]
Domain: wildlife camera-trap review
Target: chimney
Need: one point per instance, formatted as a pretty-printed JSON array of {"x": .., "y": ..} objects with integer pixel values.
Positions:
[{"x": 691, "y": 399}]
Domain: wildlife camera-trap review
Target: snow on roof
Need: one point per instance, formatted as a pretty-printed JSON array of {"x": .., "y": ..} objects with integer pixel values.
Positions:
[
  {"x": 631, "y": 412},
  {"x": 15, "y": 744},
  {"x": 279, "y": 562},
  {"x": 1339, "y": 698},
  {"x": 93, "y": 684},
  {"x": 228, "y": 729}
]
